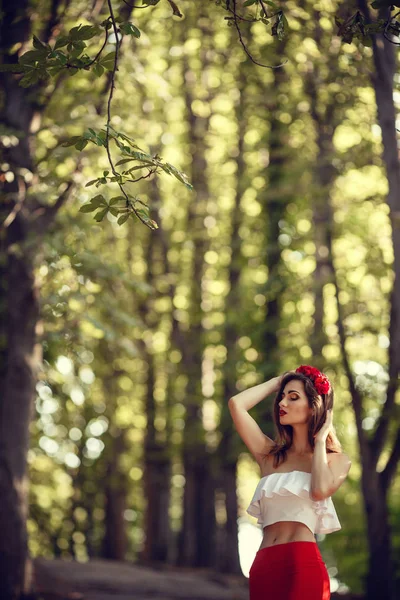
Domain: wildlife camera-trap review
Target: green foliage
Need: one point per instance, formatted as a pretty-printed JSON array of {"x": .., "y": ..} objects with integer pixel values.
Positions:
[
  {"x": 130, "y": 152},
  {"x": 352, "y": 27},
  {"x": 356, "y": 27},
  {"x": 46, "y": 60}
]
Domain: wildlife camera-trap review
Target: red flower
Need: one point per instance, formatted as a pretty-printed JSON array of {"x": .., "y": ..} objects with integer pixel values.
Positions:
[
  {"x": 323, "y": 387},
  {"x": 305, "y": 369},
  {"x": 320, "y": 381}
]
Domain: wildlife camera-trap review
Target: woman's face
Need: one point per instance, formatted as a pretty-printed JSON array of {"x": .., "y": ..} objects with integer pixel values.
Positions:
[{"x": 295, "y": 402}]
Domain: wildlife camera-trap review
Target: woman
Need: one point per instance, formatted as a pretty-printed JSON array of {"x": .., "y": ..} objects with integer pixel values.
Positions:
[{"x": 300, "y": 471}]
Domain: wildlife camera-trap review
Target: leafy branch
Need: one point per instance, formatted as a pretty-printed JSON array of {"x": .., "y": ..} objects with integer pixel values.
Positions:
[
  {"x": 355, "y": 26},
  {"x": 123, "y": 205},
  {"x": 68, "y": 53},
  {"x": 277, "y": 17}
]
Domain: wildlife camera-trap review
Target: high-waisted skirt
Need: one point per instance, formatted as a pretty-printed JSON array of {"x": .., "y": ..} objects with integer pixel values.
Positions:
[{"x": 291, "y": 571}]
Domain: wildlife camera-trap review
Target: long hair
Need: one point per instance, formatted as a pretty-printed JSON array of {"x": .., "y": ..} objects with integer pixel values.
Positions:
[{"x": 320, "y": 403}]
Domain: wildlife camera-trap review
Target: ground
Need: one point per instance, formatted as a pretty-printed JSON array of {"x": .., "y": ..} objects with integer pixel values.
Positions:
[{"x": 112, "y": 580}]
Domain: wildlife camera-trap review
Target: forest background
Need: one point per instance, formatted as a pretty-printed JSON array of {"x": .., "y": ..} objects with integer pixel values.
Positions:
[{"x": 282, "y": 254}]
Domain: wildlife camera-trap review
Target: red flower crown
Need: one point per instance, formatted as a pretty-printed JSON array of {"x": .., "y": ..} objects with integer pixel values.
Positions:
[{"x": 320, "y": 381}]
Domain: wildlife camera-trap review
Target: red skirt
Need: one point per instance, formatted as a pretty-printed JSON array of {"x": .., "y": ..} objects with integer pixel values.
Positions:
[{"x": 291, "y": 571}]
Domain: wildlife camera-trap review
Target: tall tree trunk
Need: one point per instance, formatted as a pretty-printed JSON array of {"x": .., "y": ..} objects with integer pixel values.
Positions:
[
  {"x": 197, "y": 538},
  {"x": 19, "y": 313},
  {"x": 115, "y": 538},
  {"x": 156, "y": 456},
  {"x": 274, "y": 198},
  {"x": 19, "y": 355},
  {"x": 228, "y": 449},
  {"x": 162, "y": 542},
  {"x": 326, "y": 115}
]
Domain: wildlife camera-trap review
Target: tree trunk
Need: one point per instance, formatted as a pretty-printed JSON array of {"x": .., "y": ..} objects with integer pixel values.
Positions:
[
  {"x": 197, "y": 538},
  {"x": 326, "y": 116},
  {"x": 230, "y": 444},
  {"x": 19, "y": 314},
  {"x": 19, "y": 355},
  {"x": 274, "y": 198},
  {"x": 380, "y": 577},
  {"x": 115, "y": 538},
  {"x": 322, "y": 224},
  {"x": 157, "y": 473}
]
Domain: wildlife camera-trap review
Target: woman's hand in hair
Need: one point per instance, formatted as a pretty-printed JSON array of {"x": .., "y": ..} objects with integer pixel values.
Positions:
[
  {"x": 280, "y": 377},
  {"x": 325, "y": 429}
]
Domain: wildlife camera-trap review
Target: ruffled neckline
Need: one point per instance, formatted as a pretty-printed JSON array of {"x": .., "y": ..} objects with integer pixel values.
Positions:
[{"x": 286, "y": 473}]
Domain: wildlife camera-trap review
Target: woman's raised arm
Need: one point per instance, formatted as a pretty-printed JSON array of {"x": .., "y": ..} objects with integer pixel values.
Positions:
[{"x": 256, "y": 441}]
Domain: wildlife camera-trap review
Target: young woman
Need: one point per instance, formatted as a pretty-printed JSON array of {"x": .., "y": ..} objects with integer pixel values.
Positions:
[{"x": 300, "y": 470}]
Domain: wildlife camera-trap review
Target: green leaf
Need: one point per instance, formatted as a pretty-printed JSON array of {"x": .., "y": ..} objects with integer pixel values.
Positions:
[
  {"x": 90, "y": 135},
  {"x": 61, "y": 41},
  {"x": 145, "y": 217},
  {"x": 123, "y": 161},
  {"x": 101, "y": 214},
  {"x": 98, "y": 70},
  {"x": 39, "y": 45},
  {"x": 130, "y": 29},
  {"x": 142, "y": 156},
  {"x": 99, "y": 200},
  {"x": 107, "y": 23},
  {"x": 102, "y": 136},
  {"x": 32, "y": 57},
  {"x": 85, "y": 32},
  {"x": 171, "y": 170},
  {"x": 108, "y": 61},
  {"x": 55, "y": 70},
  {"x": 285, "y": 25},
  {"x": 91, "y": 182},
  {"x": 72, "y": 141},
  {"x": 30, "y": 78},
  {"x": 81, "y": 144},
  {"x": 123, "y": 218},
  {"x": 114, "y": 211},
  {"x": 249, "y": 3},
  {"x": 128, "y": 139},
  {"x": 105, "y": 173},
  {"x": 61, "y": 57},
  {"x": 116, "y": 199},
  {"x": 87, "y": 208},
  {"x": 76, "y": 48},
  {"x": 280, "y": 26}
]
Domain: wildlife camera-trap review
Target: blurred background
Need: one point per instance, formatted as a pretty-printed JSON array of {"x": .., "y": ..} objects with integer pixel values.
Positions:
[{"x": 282, "y": 255}]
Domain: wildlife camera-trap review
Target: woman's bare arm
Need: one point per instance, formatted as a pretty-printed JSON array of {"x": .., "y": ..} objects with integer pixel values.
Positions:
[{"x": 256, "y": 441}]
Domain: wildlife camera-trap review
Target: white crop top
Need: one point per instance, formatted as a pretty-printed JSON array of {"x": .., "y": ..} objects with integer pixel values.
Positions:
[{"x": 286, "y": 497}]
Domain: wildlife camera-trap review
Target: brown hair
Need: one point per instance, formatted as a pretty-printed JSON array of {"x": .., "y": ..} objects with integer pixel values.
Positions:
[{"x": 321, "y": 403}]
